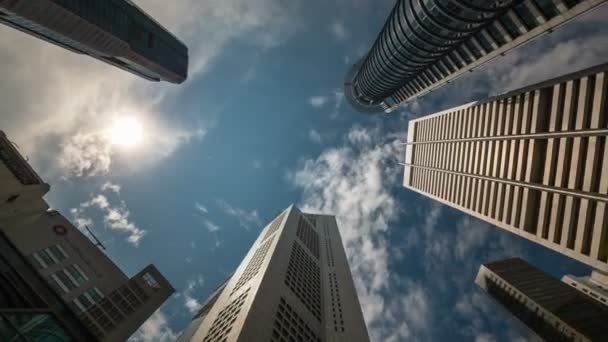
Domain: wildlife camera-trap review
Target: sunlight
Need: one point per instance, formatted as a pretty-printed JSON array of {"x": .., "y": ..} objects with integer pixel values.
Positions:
[{"x": 126, "y": 131}]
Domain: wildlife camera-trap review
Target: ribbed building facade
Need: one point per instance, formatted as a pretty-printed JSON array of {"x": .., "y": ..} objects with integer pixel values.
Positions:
[
  {"x": 293, "y": 285},
  {"x": 533, "y": 162},
  {"x": 553, "y": 310},
  {"x": 425, "y": 44},
  {"x": 114, "y": 31}
]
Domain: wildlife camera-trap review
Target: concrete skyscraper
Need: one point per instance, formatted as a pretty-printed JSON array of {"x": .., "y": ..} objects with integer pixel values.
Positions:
[
  {"x": 533, "y": 162},
  {"x": 553, "y": 310},
  {"x": 293, "y": 285},
  {"x": 54, "y": 280},
  {"x": 114, "y": 31},
  {"x": 425, "y": 44}
]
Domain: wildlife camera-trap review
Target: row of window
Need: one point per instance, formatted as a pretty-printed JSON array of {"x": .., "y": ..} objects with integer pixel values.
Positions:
[
  {"x": 49, "y": 256},
  {"x": 88, "y": 299}
]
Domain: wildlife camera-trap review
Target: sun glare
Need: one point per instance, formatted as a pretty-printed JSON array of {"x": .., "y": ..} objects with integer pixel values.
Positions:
[{"x": 126, "y": 131}]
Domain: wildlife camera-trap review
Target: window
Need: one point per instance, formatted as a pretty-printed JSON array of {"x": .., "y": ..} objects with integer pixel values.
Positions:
[
  {"x": 44, "y": 259},
  {"x": 94, "y": 294},
  {"x": 65, "y": 279},
  {"x": 58, "y": 252},
  {"x": 150, "y": 280},
  {"x": 88, "y": 299},
  {"x": 77, "y": 274},
  {"x": 58, "y": 284}
]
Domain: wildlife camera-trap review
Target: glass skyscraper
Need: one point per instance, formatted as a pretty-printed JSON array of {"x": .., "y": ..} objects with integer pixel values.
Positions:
[
  {"x": 114, "y": 31},
  {"x": 425, "y": 44}
]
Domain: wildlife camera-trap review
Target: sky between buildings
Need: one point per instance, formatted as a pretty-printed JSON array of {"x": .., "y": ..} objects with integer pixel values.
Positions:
[{"x": 260, "y": 124}]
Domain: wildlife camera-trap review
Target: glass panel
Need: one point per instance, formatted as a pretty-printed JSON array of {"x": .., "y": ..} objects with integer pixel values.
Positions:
[
  {"x": 38, "y": 327},
  {"x": 58, "y": 253},
  {"x": 77, "y": 274},
  {"x": 46, "y": 258},
  {"x": 66, "y": 280},
  {"x": 95, "y": 294},
  {"x": 85, "y": 301}
]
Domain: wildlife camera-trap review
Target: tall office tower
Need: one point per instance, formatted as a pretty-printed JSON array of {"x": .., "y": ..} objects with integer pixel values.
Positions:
[
  {"x": 425, "y": 44},
  {"x": 595, "y": 286},
  {"x": 553, "y": 310},
  {"x": 293, "y": 285},
  {"x": 533, "y": 162},
  {"x": 114, "y": 31},
  {"x": 47, "y": 264}
]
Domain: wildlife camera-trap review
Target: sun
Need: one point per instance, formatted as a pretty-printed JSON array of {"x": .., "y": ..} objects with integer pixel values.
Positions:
[{"x": 126, "y": 131}]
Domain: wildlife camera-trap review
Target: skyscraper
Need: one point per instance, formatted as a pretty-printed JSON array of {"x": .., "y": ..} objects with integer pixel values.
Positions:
[
  {"x": 426, "y": 44},
  {"x": 114, "y": 31},
  {"x": 111, "y": 305},
  {"x": 533, "y": 162},
  {"x": 293, "y": 285},
  {"x": 595, "y": 286},
  {"x": 29, "y": 308},
  {"x": 54, "y": 281},
  {"x": 553, "y": 310}
]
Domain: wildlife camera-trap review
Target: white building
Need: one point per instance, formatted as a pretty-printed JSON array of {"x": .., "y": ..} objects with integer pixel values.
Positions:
[
  {"x": 533, "y": 161},
  {"x": 595, "y": 286},
  {"x": 293, "y": 285}
]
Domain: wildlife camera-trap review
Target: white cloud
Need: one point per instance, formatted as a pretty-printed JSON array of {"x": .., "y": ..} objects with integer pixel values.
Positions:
[
  {"x": 155, "y": 329},
  {"x": 201, "y": 208},
  {"x": 111, "y": 187},
  {"x": 485, "y": 337},
  {"x": 338, "y": 30},
  {"x": 67, "y": 119},
  {"x": 211, "y": 227},
  {"x": 247, "y": 219},
  {"x": 353, "y": 182},
  {"x": 190, "y": 302},
  {"x": 317, "y": 101},
  {"x": 115, "y": 216},
  {"x": 315, "y": 136}
]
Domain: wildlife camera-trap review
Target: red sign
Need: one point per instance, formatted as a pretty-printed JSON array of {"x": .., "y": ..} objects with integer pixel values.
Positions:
[{"x": 60, "y": 230}]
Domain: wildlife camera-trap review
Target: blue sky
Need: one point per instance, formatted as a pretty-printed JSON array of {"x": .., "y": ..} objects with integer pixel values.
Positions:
[{"x": 260, "y": 124}]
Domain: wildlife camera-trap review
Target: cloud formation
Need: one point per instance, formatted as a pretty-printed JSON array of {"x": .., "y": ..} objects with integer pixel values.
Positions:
[
  {"x": 155, "y": 329},
  {"x": 317, "y": 101},
  {"x": 315, "y": 136},
  {"x": 338, "y": 30},
  {"x": 114, "y": 216},
  {"x": 66, "y": 118},
  {"x": 247, "y": 219}
]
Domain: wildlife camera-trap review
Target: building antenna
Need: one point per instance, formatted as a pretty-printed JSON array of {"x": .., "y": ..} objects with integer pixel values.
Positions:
[{"x": 97, "y": 242}]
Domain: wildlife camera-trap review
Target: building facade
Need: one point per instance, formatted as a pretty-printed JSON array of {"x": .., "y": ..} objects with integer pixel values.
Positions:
[
  {"x": 21, "y": 189},
  {"x": 114, "y": 31},
  {"x": 426, "y": 44},
  {"x": 53, "y": 279},
  {"x": 30, "y": 310},
  {"x": 594, "y": 286},
  {"x": 111, "y": 305},
  {"x": 553, "y": 310},
  {"x": 533, "y": 162},
  {"x": 293, "y": 285}
]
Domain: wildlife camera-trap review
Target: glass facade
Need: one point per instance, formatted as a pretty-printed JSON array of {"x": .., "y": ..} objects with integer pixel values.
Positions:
[
  {"x": 416, "y": 34},
  {"x": 154, "y": 52},
  {"x": 31, "y": 327},
  {"x": 425, "y": 44}
]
